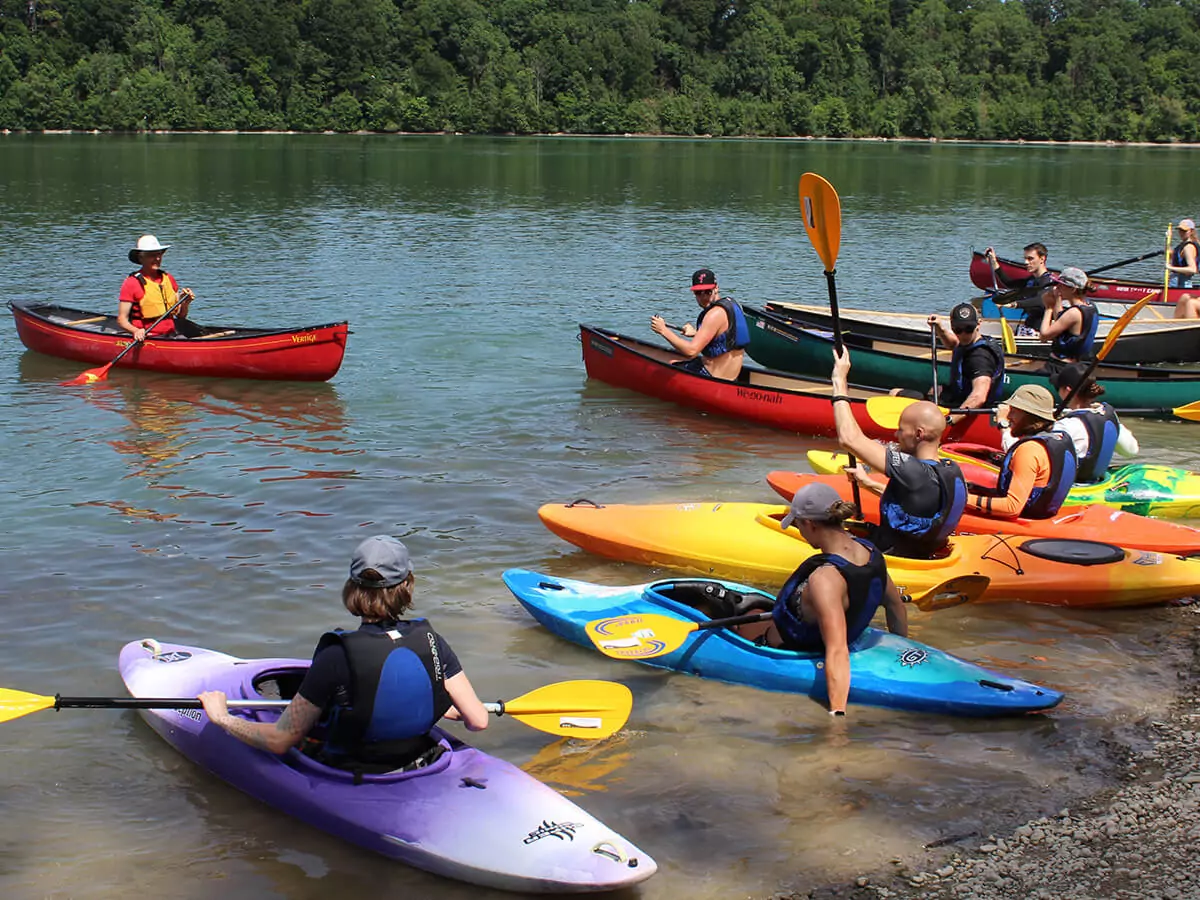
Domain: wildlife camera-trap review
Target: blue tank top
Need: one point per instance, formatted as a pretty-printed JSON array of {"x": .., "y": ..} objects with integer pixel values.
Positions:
[
  {"x": 865, "y": 585},
  {"x": 1077, "y": 346}
]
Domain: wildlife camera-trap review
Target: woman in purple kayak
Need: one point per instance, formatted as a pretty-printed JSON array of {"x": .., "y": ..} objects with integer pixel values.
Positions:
[{"x": 375, "y": 692}]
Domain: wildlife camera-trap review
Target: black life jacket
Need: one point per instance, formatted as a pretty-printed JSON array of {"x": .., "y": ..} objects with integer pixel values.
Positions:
[
  {"x": 1103, "y": 429},
  {"x": 903, "y": 534},
  {"x": 735, "y": 337},
  {"x": 397, "y": 693},
  {"x": 1044, "y": 502},
  {"x": 958, "y": 390},
  {"x": 865, "y": 585},
  {"x": 1077, "y": 346}
]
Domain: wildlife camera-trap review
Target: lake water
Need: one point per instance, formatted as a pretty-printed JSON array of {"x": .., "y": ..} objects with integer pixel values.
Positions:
[{"x": 222, "y": 513}]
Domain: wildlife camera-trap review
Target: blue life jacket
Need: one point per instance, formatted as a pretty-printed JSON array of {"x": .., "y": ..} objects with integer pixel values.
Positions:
[
  {"x": 735, "y": 337},
  {"x": 1077, "y": 346},
  {"x": 1044, "y": 502},
  {"x": 1178, "y": 279},
  {"x": 958, "y": 390},
  {"x": 865, "y": 585},
  {"x": 1103, "y": 429},
  {"x": 919, "y": 537},
  {"x": 397, "y": 694}
]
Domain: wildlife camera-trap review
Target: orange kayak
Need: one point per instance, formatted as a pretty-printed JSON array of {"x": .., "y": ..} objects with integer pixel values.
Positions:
[
  {"x": 744, "y": 541},
  {"x": 1084, "y": 523}
]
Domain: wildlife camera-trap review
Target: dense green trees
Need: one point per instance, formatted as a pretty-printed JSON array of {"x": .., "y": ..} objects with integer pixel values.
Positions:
[{"x": 1060, "y": 69}]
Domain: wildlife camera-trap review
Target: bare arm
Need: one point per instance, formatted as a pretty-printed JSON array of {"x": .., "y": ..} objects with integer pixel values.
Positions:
[
  {"x": 949, "y": 338},
  {"x": 713, "y": 324},
  {"x": 826, "y": 591},
  {"x": 467, "y": 707},
  {"x": 981, "y": 386},
  {"x": 123, "y": 311},
  {"x": 850, "y": 435},
  {"x": 274, "y": 737},
  {"x": 1053, "y": 328},
  {"x": 1189, "y": 266},
  {"x": 894, "y": 609}
]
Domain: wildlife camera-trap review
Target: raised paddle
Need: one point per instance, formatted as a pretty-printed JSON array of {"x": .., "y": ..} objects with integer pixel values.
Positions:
[
  {"x": 1167, "y": 262},
  {"x": 1109, "y": 342},
  {"x": 91, "y": 376},
  {"x": 933, "y": 339},
  {"x": 821, "y": 210},
  {"x": 885, "y": 411},
  {"x": 647, "y": 635},
  {"x": 580, "y": 709}
]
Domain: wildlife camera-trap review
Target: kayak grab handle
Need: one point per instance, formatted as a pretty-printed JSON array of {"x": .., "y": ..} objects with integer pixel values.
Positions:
[{"x": 995, "y": 685}]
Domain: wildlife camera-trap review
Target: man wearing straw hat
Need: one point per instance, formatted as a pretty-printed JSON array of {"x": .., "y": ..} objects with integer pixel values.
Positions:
[
  {"x": 1039, "y": 468},
  {"x": 150, "y": 291}
]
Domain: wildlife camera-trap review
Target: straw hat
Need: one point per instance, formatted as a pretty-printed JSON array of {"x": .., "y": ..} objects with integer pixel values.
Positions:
[{"x": 1035, "y": 400}]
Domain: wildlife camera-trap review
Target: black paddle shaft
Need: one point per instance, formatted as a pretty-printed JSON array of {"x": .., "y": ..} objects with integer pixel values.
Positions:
[{"x": 153, "y": 703}]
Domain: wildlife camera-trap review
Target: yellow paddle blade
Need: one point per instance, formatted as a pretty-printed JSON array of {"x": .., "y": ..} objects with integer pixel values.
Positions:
[
  {"x": 640, "y": 636},
  {"x": 1191, "y": 412},
  {"x": 822, "y": 213},
  {"x": 577, "y": 709},
  {"x": 14, "y": 704},
  {"x": 953, "y": 592},
  {"x": 1010, "y": 342},
  {"x": 885, "y": 410},
  {"x": 1119, "y": 325}
]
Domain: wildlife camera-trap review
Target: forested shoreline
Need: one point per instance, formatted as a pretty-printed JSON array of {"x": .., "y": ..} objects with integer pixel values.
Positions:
[{"x": 1100, "y": 70}]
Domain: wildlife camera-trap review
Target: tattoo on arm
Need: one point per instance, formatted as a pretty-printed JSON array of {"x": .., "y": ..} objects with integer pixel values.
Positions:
[{"x": 296, "y": 721}]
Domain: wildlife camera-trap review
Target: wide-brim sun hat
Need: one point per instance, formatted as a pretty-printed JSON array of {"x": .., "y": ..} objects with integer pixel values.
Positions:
[
  {"x": 147, "y": 243},
  {"x": 1033, "y": 399}
]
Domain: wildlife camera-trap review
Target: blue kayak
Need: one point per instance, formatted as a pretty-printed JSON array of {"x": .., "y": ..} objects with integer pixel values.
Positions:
[{"x": 886, "y": 670}]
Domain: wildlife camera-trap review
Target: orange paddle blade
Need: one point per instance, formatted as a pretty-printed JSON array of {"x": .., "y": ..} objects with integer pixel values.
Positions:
[
  {"x": 1119, "y": 325},
  {"x": 91, "y": 376},
  {"x": 822, "y": 213}
]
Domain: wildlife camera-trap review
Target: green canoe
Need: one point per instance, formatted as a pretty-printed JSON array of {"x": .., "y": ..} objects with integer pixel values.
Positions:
[{"x": 776, "y": 344}]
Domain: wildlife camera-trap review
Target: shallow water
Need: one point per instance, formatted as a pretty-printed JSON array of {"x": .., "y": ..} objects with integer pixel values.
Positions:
[{"x": 222, "y": 512}]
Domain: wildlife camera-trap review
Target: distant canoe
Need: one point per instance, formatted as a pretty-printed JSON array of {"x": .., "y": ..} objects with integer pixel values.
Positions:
[
  {"x": 1113, "y": 289},
  {"x": 898, "y": 364},
  {"x": 1144, "y": 340},
  {"x": 775, "y": 399},
  {"x": 216, "y": 351}
]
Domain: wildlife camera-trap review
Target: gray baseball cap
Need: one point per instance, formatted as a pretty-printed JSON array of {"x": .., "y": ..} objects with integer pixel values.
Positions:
[
  {"x": 811, "y": 502},
  {"x": 385, "y": 555}
]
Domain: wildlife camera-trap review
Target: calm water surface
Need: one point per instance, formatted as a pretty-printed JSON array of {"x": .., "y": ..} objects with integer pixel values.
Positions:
[{"x": 222, "y": 513}]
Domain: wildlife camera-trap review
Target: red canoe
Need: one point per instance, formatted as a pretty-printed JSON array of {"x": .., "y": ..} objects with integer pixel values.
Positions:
[
  {"x": 302, "y": 354},
  {"x": 1113, "y": 289},
  {"x": 767, "y": 397}
]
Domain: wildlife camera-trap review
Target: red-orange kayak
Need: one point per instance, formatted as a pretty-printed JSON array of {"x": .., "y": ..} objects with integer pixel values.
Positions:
[{"x": 1083, "y": 523}]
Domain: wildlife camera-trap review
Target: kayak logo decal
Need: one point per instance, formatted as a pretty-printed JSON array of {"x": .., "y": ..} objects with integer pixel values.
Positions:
[
  {"x": 564, "y": 831},
  {"x": 913, "y": 657},
  {"x": 193, "y": 714},
  {"x": 173, "y": 656},
  {"x": 617, "y": 639},
  {"x": 1146, "y": 558}
]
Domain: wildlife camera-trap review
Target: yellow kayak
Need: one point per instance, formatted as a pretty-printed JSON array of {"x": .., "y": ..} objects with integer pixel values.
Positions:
[{"x": 744, "y": 541}]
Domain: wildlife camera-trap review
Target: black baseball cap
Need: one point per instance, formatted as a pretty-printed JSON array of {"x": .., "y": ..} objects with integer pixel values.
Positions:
[
  {"x": 703, "y": 280},
  {"x": 964, "y": 317},
  {"x": 1069, "y": 376}
]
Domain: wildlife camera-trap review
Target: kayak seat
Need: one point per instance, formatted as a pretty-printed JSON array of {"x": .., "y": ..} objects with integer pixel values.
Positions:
[
  {"x": 709, "y": 597},
  {"x": 1080, "y": 553},
  {"x": 279, "y": 684},
  {"x": 755, "y": 603}
]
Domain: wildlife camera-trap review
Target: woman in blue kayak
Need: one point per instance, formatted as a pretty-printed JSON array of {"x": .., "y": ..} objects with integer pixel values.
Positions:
[
  {"x": 830, "y": 600},
  {"x": 378, "y": 690}
]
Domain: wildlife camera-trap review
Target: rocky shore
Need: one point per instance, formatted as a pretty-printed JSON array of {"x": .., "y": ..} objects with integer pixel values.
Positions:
[{"x": 1140, "y": 839}]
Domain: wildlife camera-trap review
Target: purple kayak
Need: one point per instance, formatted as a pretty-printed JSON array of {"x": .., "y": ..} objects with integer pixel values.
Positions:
[{"x": 468, "y": 815}]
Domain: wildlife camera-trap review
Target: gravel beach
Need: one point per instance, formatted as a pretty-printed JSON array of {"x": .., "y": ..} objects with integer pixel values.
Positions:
[{"x": 1136, "y": 840}]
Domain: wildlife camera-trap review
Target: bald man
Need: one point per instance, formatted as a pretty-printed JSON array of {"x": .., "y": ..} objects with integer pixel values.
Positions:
[{"x": 925, "y": 496}]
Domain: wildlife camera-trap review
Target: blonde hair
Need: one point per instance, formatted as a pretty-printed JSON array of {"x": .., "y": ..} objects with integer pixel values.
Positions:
[{"x": 378, "y": 603}]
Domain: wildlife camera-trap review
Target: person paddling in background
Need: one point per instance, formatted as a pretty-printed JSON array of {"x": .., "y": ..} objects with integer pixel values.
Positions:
[
  {"x": 150, "y": 291},
  {"x": 1030, "y": 288},
  {"x": 830, "y": 600},
  {"x": 976, "y": 364},
  {"x": 1037, "y": 470},
  {"x": 380, "y": 689},
  {"x": 714, "y": 347},
  {"x": 925, "y": 496},
  {"x": 1069, "y": 320},
  {"x": 1184, "y": 267},
  {"x": 1091, "y": 424}
]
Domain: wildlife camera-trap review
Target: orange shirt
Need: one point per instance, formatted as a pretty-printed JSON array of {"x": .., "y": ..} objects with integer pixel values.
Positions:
[{"x": 1030, "y": 467}]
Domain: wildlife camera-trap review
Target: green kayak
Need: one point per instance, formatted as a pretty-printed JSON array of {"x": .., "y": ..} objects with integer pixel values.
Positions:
[{"x": 777, "y": 344}]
